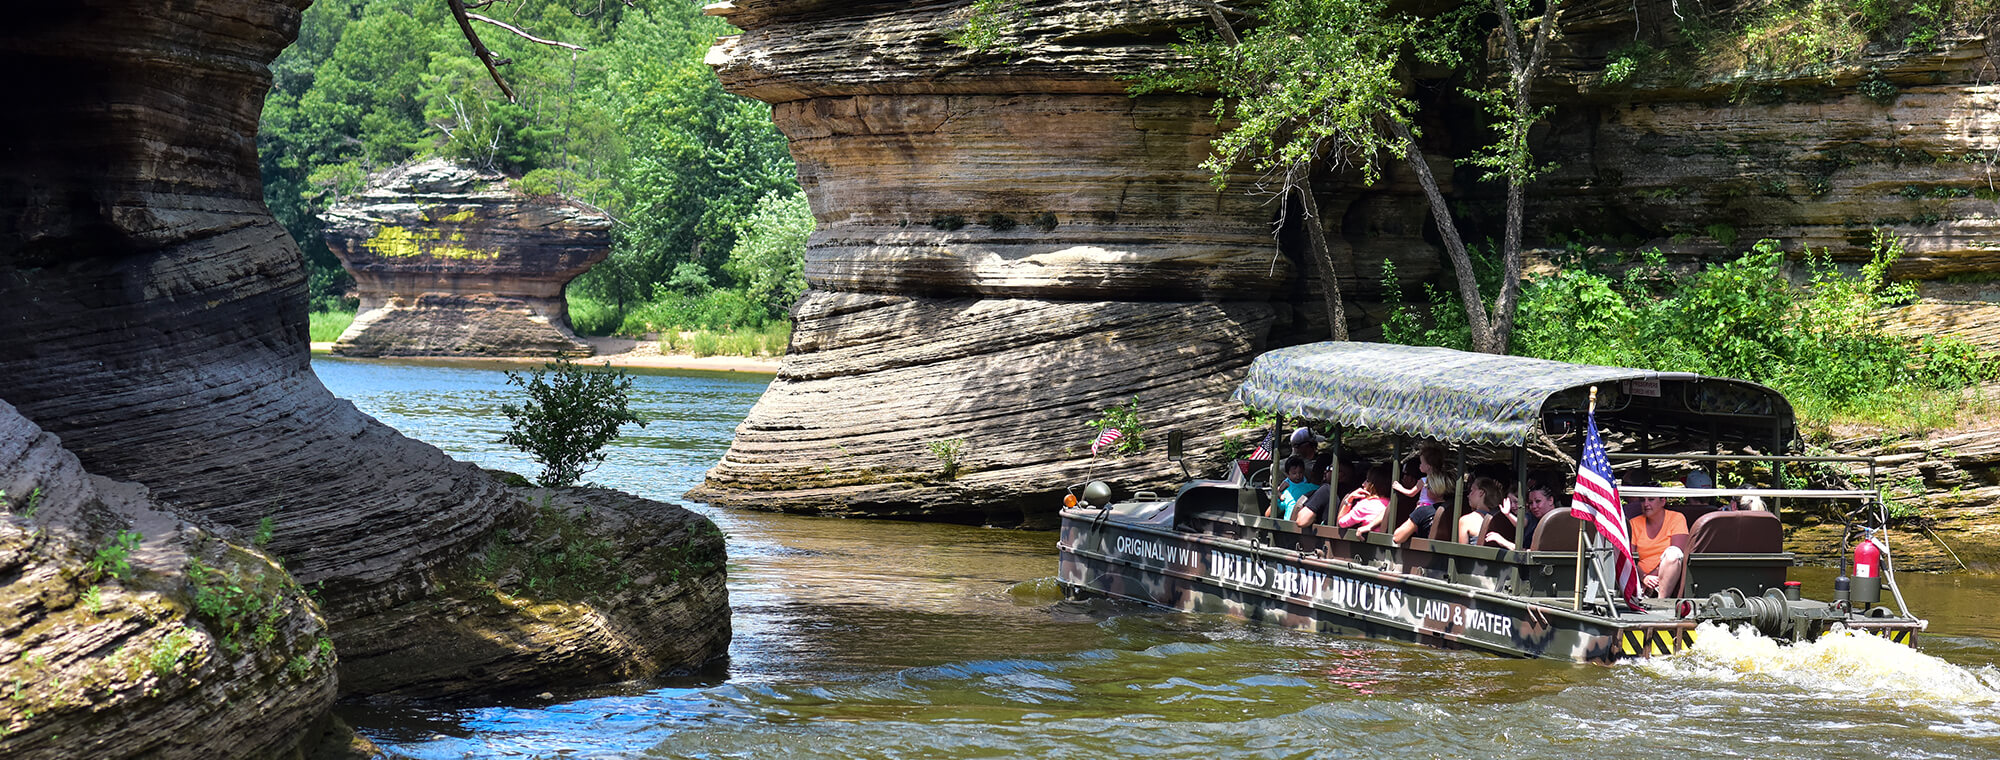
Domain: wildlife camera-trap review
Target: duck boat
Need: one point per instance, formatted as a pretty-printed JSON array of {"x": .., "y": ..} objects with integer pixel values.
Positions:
[{"x": 1209, "y": 549}]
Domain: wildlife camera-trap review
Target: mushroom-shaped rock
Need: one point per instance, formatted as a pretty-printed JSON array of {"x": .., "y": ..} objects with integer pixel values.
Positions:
[{"x": 453, "y": 261}]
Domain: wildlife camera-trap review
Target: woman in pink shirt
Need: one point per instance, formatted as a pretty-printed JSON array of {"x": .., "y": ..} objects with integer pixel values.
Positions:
[{"x": 1372, "y": 508}]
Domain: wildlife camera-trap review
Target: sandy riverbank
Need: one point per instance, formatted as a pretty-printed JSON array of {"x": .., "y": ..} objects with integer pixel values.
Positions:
[{"x": 625, "y": 352}]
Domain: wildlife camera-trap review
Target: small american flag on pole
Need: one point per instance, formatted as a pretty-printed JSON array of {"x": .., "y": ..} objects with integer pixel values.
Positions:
[
  {"x": 1263, "y": 451},
  {"x": 1107, "y": 439},
  {"x": 1596, "y": 502}
]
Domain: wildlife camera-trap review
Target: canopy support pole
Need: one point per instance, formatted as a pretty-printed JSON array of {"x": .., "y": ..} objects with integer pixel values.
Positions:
[
  {"x": 1457, "y": 505},
  {"x": 1396, "y": 477}
]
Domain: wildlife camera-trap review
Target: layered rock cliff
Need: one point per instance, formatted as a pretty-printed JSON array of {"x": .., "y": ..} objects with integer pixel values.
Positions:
[
  {"x": 450, "y": 261},
  {"x": 1007, "y": 243},
  {"x": 152, "y": 315},
  {"x": 125, "y": 631}
]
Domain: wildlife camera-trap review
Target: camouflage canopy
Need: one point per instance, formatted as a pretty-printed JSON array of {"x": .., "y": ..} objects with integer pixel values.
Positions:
[{"x": 1462, "y": 397}]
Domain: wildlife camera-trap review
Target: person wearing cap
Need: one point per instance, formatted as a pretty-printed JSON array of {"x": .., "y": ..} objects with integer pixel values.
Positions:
[
  {"x": 1696, "y": 506},
  {"x": 1305, "y": 445}
]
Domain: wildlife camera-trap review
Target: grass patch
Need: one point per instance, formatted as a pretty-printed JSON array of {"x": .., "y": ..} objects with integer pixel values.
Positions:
[
  {"x": 244, "y": 606},
  {"x": 589, "y": 316},
  {"x": 558, "y": 558},
  {"x": 326, "y": 326},
  {"x": 769, "y": 340}
]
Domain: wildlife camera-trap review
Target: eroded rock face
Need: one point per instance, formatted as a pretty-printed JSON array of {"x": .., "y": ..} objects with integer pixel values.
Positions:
[
  {"x": 1008, "y": 242},
  {"x": 450, "y": 261},
  {"x": 101, "y": 643},
  {"x": 597, "y": 586},
  {"x": 1903, "y": 141},
  {"x": 152, "y": 315},
  {"x": 877, "y": 388},
  {"x": 1024, "y": 182}
]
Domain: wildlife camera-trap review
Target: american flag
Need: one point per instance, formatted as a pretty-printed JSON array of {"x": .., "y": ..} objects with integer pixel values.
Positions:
[
  {"x": 1263, "y": 451},
  {"x": 1596, "y": 502},
  {"x": 1106, "y": 440}
]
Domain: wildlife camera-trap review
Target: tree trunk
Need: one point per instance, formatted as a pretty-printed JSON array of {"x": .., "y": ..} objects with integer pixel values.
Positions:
[
  {"x": 1336, "y": 309},
  {"x": 1484, "y": 339}
]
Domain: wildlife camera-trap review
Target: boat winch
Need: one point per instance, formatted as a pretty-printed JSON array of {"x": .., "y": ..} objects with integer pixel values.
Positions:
[{"x": 1772, "y": 614}]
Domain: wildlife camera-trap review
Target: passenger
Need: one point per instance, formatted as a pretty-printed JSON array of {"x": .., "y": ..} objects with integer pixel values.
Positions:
[
  {"x": 1659, "y": 540},
  {"x": 1484, "y": 497},
  {"x": 1425, "y": 514},
  {"x": 1347, "y": 479},
  {"x": 1315, "y": 506},
  {"x": 1305, "y": 445},
  {"x": 1293, "y": 492},
  {"x": 1696, "y": 506},
  {"x": 1432, "y": 478},
  {"x": 1369, "y": 511},
  {"x": 1541, "y": 502}
]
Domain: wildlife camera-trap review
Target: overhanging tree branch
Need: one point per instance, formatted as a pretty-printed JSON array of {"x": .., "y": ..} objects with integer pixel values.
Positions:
[
  {"x": 465, "y": 19},
  {"x": 524, "y": 35},
  {"x": 479, "y": 48}
]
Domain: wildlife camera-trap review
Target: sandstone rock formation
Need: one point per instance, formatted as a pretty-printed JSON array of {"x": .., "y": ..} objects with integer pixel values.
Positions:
[
  {"x": 1904, "y": 142},
  {"x": 996, "y": 227},
  {"x": 450, "y": 261},
  {"x": 1007, "y": 243},
  {"x": 1949, "y": 481},
  {"x": 597, "y": 586},
  {"x": 125, "y": 631},
  {"x": 154, "y": 319}
]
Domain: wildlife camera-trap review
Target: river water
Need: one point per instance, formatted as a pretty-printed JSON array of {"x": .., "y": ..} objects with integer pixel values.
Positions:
[{"x": 859, "y": 638}]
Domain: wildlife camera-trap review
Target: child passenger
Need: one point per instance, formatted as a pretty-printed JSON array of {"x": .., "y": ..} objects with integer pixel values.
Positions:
[
  {"x": 1294, "y": 492},
  {"x": 1430, "y": 462}
]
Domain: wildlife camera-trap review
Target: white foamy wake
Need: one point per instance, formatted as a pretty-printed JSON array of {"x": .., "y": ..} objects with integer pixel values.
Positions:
[{"x": 1842, "y": 662}]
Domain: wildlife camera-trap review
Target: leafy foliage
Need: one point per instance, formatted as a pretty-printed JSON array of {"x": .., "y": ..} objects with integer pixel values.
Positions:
[
  {"x": 244, "y": 605},
  {"x": 1125, "y": 418},
  {"x": 1820, "y": 342},
  {"x": 571, "y": 413},
  {"x": 114, "y": 558},
  {"x": 987, "y": 25},
  {"x": 950, "y": 454},
  {"x": 1283, "y": 108},
  {"x": 769, "y": 258},
  {"x": 636, "y": 124}
]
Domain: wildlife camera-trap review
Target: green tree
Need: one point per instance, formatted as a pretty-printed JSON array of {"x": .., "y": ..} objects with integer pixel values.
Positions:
[
  {"x": 633, "y": 122},
  {"x": 1315, "y": 84},
  {"x": 570, "y": 414},
  {"x": 768, "y": 262}
]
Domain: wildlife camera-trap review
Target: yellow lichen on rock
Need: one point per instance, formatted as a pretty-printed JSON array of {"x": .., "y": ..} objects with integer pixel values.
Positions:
[{"x": 393, "y": 242}]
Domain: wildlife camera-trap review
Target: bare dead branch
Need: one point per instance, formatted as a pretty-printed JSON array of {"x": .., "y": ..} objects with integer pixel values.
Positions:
[
  {"x": 479, "y": 48},
  {"x": 522, "y": 34}
]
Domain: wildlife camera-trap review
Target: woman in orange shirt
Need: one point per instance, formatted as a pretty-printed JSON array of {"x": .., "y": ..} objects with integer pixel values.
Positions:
[{"x": 1659, "y": 541}]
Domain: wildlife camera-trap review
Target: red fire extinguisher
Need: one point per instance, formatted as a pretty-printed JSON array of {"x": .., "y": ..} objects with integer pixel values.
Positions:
[{"x": 1868, "y": 557}]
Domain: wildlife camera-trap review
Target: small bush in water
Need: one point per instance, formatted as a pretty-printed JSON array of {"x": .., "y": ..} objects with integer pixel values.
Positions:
[{"x": 571, "y": 413}]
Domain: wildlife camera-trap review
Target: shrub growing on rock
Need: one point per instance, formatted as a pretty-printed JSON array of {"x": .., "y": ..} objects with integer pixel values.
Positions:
[{"x": 571, "y": 413}]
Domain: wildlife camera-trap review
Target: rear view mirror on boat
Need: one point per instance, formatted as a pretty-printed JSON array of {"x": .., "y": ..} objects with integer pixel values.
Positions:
[{"x": 1177, "y": 450}]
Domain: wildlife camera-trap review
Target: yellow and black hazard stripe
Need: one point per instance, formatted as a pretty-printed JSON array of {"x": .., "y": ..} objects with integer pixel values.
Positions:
[
  {"x": 1903, "y": 636},
  {"x": 1653, "y": 642}
]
